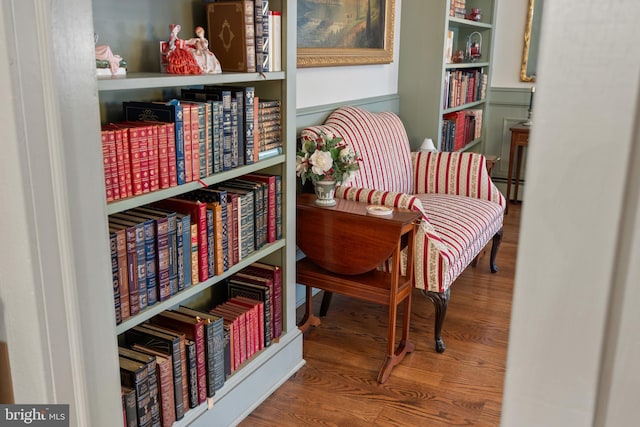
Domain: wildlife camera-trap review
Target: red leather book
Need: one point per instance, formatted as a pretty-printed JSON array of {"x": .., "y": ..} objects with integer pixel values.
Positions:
[
  {"x": 123, "y": 164},
  {"x": 458, "y": 118},
  {"x": 108, "y": 161},
  {"x": 214, "y": 349},
  {"x": 242, "y": 337},
  {"x": 246, "y": 331},
  {"x": 256, "y": 288},
  {"x": 257, "y": 319},
  {"x": 198, "y": 212},
  {"x": 134, "y": 156},
  {"x": 140, "y": 134},
  {"x": 275, "y": 273},
  {"x": 153, "y": 153},
  {"x": 195, "y": 138},
  {"x": 197, "y": 117},
  {"x": 163, "y": 155},
  {"x": 123, "y": 154},
  {"x": 149, "y": 152}
]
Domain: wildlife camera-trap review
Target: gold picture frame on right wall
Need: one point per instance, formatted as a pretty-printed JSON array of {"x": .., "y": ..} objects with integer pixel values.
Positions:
[
  {"x": 345, "y": 33},
  {"x": 531, "y": 41}
]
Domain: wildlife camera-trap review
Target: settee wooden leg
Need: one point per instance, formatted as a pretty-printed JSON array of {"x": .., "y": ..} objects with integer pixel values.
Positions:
[
  {"x": 440, "y": 301},
  {"x": 497, "y": 239},
  {"x": 326, "y": 302}
]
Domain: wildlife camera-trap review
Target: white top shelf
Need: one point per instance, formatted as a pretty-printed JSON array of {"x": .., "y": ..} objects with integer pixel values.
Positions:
[{"x": 158, "y": 80}]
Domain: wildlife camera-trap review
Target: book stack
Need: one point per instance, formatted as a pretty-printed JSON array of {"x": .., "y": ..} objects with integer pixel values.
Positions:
[
  {"x": 170, "y": 245},
  {"x": 168, "y": 143},
  {"x": 266, "y": 277},
  {"x": 269, "y": 128},
  {"x": 458, "y": 8},
  {"x": 179, "y": 358},
  {"x": 455, "y": 141},
  {"x": 245, "y": 35},
  {"x": 477, "y": 120},
  {"x": 139, "y": 157},
  {"x": 460, "y": 128},
  {"x": 464, "y": 86},
  {"x": 244, "y": 320},
  {"x": 183, "y": 354},
  {"x": 149, "y": 251}
]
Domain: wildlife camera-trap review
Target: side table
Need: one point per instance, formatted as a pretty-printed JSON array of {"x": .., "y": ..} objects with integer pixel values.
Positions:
[
  {"x": 343, "y": 245},
  {"x": 519, "y": 139}
]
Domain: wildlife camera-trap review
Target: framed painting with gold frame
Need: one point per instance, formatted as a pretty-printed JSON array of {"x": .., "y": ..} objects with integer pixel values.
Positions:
[
  {"x": 345, "y": 32},
  {"x": 531, "y": 41}
]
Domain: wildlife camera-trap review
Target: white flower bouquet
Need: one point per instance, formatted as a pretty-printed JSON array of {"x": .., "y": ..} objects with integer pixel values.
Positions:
[{"x": 328, "y": 158}]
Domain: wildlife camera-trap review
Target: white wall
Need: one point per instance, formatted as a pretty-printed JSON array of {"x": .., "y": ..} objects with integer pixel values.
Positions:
[
  {"x": 508, "y": 43},
  {"x": 573, "y": 344}
]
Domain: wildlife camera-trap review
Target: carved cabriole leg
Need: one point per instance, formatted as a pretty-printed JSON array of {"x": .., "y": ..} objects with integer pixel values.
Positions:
[
  {"x": 497, "y": 239},
  {"x": 440, "y": 301}
]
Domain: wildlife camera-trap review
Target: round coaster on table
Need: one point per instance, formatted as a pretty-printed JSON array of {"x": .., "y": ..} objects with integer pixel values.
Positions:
[{"x": 379, "y": 210}]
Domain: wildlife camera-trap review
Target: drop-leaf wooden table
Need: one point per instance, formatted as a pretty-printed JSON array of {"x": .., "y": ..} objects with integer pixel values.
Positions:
[{"x": 343, "y": 245}]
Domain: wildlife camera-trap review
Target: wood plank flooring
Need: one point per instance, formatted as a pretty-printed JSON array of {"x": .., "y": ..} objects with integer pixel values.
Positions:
[{"x": 462, "y": 386}]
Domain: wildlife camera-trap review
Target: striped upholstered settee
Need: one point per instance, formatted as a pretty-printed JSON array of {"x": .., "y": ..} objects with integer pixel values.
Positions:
[{"x": 462, "y": 210}]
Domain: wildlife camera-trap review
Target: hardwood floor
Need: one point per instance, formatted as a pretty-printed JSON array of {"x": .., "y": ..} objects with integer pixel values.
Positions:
[{"x": 462, "y": 386}]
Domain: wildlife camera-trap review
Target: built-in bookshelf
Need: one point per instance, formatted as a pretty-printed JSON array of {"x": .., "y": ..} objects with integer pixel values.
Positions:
[
  {"x": 133, "y": 29},
  {"x": 445, "y": 66}
]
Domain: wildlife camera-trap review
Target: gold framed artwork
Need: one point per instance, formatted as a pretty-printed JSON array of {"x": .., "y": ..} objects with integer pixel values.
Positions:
[
  {"x": 528, "y": 68},
  {"x": 345, "y": 32}
]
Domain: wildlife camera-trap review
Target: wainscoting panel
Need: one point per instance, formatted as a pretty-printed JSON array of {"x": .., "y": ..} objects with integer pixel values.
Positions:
[{"x": 507, "y": 107}]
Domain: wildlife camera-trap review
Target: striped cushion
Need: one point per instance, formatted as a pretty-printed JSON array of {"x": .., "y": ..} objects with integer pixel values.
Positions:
[
  {"x": 462, "y": 174},
  {"x": 381, "y": 141},
  {"x": 463, "y": 226}
]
